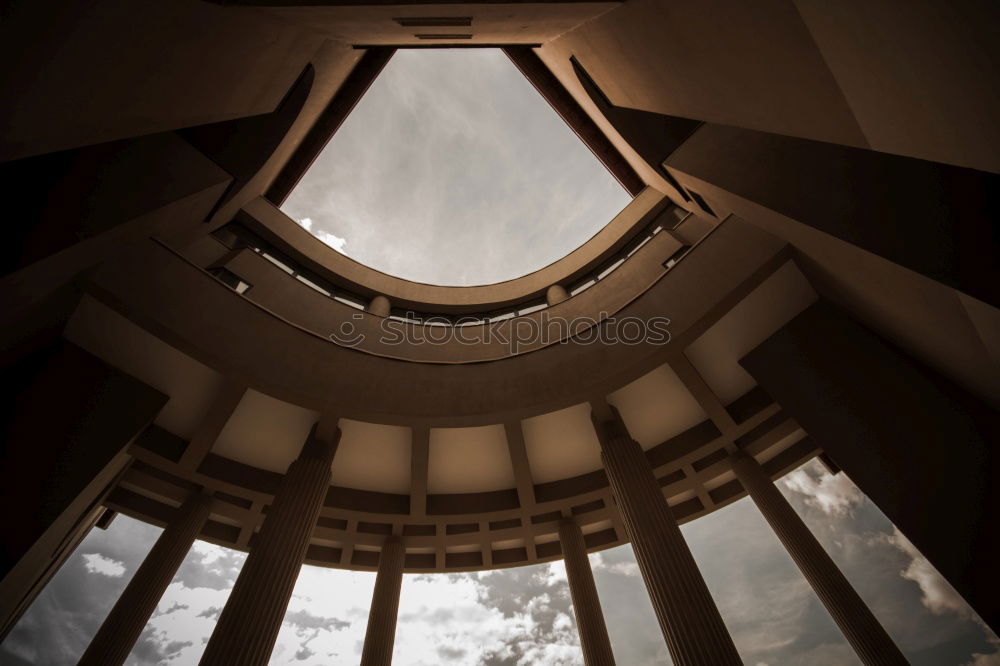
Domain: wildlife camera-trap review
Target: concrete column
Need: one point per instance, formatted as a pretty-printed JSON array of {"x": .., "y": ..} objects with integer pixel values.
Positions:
[
  {"x": 249, "y": 624},
  {"x": 122, "y": 627},
  {"x": 380, "y": 306},
  {"x": 556, "y": 294},
  {"x": 586, "y": 604},
  {"x": 381, "y": 632},
  {"x": 691, "y": 624},
  {"x": 862, "y": 630}
]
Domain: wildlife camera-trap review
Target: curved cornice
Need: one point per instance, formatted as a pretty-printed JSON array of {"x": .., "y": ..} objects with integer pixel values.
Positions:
[
  {"x": 286, "y": 297},
  {"x": 280, "y": 230},
  {"x": 168, "y": 296}
]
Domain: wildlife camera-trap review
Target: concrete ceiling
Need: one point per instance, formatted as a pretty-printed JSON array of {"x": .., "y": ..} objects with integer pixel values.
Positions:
[
  {"x": 373, "y": 457},
  {"x": 561, "y": 444},
  {"x": 463, "y": 460},
  {"x": 268, "y": 433},
  {"x": 110, "y": 336},
  {"x": 770, "y": 306},
  {"x": 656, "y": 407},
  {"x": 265, "y": 432}
]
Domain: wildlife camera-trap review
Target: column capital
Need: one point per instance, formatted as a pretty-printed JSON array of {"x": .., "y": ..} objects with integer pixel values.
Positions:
[
  {"x": 609, "y": 426},
  {"x": 741, "y": 456},
  {"x": 317, "y": 447},
  {"x": 567, "y": 522}
]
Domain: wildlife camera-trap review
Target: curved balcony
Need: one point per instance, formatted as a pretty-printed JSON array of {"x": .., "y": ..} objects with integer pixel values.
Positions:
[{"x": 166, "y": 293}]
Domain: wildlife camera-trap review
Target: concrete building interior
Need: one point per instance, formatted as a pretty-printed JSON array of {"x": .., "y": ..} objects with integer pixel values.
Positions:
[{"x": 813, "y": 206}]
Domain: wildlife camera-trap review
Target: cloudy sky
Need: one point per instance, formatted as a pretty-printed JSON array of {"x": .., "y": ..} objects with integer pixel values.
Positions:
[
  {"x": 453, "y": 170},
  {"x": 523, "y": 616}
]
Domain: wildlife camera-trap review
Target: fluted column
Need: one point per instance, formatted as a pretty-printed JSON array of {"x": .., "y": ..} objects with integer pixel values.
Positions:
[
  {"x": 586, "y": 605},
  {"x": 123, "y": 625},
  {"x": 849, "y": 611},
  {"x": 249, "y": 623},
  {"x": 381, "y": 632},
  {"x": 690, "y": 622}
]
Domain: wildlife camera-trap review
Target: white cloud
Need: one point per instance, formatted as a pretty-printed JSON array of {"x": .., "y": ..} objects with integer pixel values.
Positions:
[
  {"x": 99, "y": 564},
  {"x": 551, "y": 655},
  {"x": 190, "y": 607},
  {"x": 626, "y": 568},
  {"x": 978, "y": 659},
  {"x": 937, "y": 595},
  {"x": 520, "y": 616},
  {"x": 515, "y": 617},
  {"x": 556, "y": 574},
  {"x": 835, "y": 495},
  {"x": 326, "y": 618},
  {"x": 211, "y": 554},
  {"x": 987, "y": 659},
  {"x": 333, "y": 240},
  {"x": 443, "y": 618}
]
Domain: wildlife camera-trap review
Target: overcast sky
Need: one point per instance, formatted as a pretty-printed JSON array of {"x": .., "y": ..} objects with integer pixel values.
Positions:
[
  {"x": 523, "y": 616},
  {"x": 453, "y": 170}
]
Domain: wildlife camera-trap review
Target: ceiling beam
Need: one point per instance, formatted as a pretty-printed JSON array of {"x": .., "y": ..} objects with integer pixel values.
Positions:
[
  {"x": 419, "y": 468},
  {"x": 219, "y": 413},
  {"x": 703, "y": 394},
  {"x": 346, "y": 98},
  {"x": 555, "y": 93},
  {"x": 519, "y": 462}
]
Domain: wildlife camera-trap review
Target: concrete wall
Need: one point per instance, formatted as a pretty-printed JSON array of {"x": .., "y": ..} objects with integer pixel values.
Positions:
[
  {"x": 915, "y": 78},
  {"x": 884, "y": 237},
  {"x": 91, "y": 72},
  {"x": 935, "y": 219},
  {"x": 79, "y": 207}
]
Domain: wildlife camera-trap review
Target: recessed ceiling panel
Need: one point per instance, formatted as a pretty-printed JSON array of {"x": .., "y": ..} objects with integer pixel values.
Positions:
[
  {"x": 716, "y": 354},
  {"x": 110, "y": 336},
  {"x": 466, "y": 460},
  {"x": 265, "y": 432},
  {"x": 656, "y": 407},
  {"x": 561, "y": 444},
  {"x": 372, "y": 456}
]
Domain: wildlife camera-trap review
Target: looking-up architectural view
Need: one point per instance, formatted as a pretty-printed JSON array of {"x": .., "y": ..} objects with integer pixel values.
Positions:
[{"x": 505, "y": 333}]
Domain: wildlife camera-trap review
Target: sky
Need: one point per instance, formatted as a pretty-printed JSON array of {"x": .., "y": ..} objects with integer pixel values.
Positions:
[
  {"x": 453, "y": 170},
  {"x": 523, "y": 616}
]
